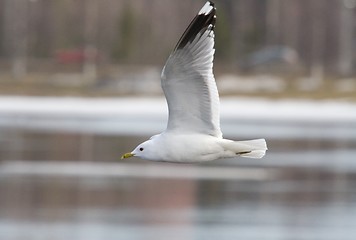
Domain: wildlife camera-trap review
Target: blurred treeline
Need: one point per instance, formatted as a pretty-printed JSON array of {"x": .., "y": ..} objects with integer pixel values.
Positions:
[{"x": 321, "y": 32}]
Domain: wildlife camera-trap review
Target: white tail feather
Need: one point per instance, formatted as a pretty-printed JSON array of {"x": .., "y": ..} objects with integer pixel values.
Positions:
[
  {"x": 251, "y": 148},
  {"x": 254, "y": 154}
]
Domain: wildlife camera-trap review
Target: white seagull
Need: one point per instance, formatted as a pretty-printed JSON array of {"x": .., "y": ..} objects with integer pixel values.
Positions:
[{"x": 193, "y": 131}]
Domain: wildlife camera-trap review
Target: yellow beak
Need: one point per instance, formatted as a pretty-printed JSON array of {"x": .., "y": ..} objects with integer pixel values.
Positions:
[{"x": 127, "y": 155}]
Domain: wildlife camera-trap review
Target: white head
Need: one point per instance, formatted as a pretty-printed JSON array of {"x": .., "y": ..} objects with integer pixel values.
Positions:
[{"x": 146, "y": 150}]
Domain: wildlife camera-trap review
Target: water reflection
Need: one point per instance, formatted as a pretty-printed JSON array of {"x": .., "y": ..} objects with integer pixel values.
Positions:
[{"x": 303, "y": 189}]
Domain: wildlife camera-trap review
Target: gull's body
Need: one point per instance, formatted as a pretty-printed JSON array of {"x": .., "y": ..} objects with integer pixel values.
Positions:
[{"x": 193, "y": 131}]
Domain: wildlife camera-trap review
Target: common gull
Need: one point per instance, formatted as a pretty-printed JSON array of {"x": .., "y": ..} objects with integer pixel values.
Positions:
[{"x": 193, "y": 131}]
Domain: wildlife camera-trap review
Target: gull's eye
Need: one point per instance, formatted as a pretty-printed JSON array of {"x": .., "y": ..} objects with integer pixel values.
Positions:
[{"x": 141, "y": 149}]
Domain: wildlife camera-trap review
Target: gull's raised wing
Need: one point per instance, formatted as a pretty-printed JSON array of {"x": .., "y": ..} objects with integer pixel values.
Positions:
[{"x": 188, "y": 81}]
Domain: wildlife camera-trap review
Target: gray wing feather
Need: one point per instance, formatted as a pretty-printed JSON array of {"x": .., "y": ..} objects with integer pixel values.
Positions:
[{"x": 188, "y": 81}]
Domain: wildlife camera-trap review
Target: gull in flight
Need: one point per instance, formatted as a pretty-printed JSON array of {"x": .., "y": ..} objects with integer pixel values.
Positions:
[{"x": 193, "y": 131}]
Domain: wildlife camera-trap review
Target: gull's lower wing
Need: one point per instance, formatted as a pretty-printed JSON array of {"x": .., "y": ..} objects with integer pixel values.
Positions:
[{"x": 188, "y": 81}]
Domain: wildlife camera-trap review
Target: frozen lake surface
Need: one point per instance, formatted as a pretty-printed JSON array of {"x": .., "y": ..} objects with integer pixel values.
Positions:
[{"x": 230, "y": 200}]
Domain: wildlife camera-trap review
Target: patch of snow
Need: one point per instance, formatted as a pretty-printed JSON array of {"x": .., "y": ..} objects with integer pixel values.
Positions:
[
  {"x": 345, "y": 85},
  {"x": 249, "y": 84},
  {"x": 308, "y": 83},
  {"x": 146, "y": 81}
]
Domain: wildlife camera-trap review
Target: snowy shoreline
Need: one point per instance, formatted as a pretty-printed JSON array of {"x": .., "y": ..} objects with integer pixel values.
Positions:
[
  {"x": 231, "y": 107},
  {"x": 148, "y": 115}
]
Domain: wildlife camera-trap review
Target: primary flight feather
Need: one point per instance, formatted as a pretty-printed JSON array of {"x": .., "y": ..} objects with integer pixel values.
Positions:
[{"x": 193, "y": 131}]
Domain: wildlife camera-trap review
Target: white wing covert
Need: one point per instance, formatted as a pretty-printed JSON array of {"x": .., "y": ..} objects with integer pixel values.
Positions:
[{"x": 188, "y": 81}]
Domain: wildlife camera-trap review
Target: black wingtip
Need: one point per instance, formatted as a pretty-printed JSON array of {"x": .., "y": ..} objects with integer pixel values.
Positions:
[{"x": 205, "y": 18}]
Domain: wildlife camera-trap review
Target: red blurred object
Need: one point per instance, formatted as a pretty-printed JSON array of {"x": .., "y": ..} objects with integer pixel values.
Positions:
[{"x": 70, "y": 56}]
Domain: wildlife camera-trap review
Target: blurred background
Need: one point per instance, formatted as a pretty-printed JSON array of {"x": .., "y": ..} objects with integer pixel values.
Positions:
[{"x": 80, "y": 86}]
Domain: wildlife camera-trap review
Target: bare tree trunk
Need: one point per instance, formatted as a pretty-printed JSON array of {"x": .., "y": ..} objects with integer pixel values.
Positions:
[
  {"x": 16, "y": 35},
  {"x": 90, "y": 51},
  {"x": 273, "y": 22},
  {"x": 346, "y": 40},
  {"x": 318, "y": 43}
]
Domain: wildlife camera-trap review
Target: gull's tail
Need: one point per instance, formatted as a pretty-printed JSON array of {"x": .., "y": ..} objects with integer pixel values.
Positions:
[{"x": 251, "y": 148}]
